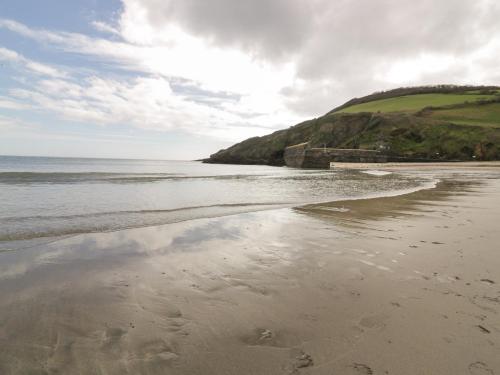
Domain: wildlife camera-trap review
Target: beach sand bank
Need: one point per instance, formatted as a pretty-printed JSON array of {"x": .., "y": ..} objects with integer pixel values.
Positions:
[
  {"x": 401, "y": 285},
  {"x": 418, "y": 166}
]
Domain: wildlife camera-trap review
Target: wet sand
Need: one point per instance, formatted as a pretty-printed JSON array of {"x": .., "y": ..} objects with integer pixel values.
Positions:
[{"x": 402, "y": 285}]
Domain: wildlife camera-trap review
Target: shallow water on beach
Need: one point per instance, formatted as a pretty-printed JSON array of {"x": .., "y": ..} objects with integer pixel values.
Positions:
[{"x": 42, "y": 198}]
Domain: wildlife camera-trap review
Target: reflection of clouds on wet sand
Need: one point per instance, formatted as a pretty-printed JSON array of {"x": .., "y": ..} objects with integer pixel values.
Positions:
[{"x": 193, "y": 235}]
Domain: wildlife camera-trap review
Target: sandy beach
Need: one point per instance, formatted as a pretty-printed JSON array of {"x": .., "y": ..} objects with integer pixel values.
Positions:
[{"x": 403, "y": 285}]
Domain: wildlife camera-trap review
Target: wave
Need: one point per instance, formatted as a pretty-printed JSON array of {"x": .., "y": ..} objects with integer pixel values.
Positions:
[
  {"x": 128, "y": 212},
  {"x": 63, "y": 178},
  {"x": 28, "y": 178},
  {"x": 428, "y": 185},
  {"x": 376, "y": 172}
]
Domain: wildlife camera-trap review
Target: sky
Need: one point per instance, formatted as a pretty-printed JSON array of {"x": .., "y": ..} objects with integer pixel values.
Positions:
[{"x": 181, "y": 79}]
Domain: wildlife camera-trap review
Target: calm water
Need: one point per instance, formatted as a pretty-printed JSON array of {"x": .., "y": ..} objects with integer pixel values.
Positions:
[{"x": 42, "y": 198}]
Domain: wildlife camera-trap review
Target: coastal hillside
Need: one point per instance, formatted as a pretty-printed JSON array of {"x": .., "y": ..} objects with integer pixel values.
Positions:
[{"x": 433, "y": 122}]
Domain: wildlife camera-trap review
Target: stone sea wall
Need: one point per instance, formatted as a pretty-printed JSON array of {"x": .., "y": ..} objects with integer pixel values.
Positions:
[{"x": 301, "y": 156}]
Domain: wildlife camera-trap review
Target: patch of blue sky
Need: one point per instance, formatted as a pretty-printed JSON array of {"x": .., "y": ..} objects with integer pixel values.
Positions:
[{"x": 68, "y": 15}]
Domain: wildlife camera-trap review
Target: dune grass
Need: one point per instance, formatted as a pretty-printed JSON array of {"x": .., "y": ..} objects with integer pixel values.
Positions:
[{"x": 413, "y": 103}]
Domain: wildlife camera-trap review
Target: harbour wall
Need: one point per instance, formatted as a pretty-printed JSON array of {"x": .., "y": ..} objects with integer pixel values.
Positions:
[{"x": 302, "y": 156}]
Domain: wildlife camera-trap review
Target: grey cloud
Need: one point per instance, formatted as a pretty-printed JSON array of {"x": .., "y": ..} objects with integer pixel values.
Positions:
[
  {"x": 267, "y": 29},
  {"x": 192, "y": 92},
  {"x": 340, "y": 46},
  {"x": 358, "y": 34}
]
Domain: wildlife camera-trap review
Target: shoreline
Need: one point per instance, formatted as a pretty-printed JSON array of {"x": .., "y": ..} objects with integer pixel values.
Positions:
[
  {"x": 395, "y": 285},
  {"x": 238, "y": 208}
]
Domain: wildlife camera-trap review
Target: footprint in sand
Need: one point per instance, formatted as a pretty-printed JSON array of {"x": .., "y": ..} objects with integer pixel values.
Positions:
[
  {"x": 260, "y": 336},
  {"x": 300, "y": 361},
  {"x": 362, "y": 369},
  {"x": 173, "y": 312},
  {"x": 371, "y": 264},
  {"x": 112, "y": 337},
  {"x": 303, "y": 360},
  {"x": 483, "y": 329},
  {"x": 373, "y": 321},
  {"x": 153, "y": 354},
  {"x": 485, "y": 303},
  {"x": 480, "y": 368}
]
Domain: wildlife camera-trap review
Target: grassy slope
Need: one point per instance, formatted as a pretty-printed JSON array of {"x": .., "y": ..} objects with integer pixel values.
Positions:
[
  {"x": 423, "y": 137},
  {"x": 484, "y": 115},
  {"x": 452, "y": 125},
  {"x": 413, "y": 103}
]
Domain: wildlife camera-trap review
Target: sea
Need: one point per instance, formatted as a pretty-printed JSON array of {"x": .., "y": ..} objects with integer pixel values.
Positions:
[{"x": 43, "y": 199}]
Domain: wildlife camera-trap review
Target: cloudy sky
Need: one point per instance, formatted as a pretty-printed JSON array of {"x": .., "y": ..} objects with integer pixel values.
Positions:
[{"x": 180, "y": 79}]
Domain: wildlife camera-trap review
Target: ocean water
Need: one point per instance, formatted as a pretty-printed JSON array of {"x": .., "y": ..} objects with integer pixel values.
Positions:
[{"x": 45, "y": 198}]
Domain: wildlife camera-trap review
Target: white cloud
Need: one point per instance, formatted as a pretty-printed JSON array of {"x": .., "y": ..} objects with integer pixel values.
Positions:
[
  {"x": 143, "y": 102},
  {"x": 148, "y": 101},
  {"x": 33, "y": 66},
  {"x": 8, "y": 103},
  {"x": 105, "y": 28},
  {"x": 170, "y": 52},
  {"x": 406, "y": 71},
  {"x": 333, "y": 50},
  {"x": 12, "y": 123},
  {"x": 8, "y": 55}
]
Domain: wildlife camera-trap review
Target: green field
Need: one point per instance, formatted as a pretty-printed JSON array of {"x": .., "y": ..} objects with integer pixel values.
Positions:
[
  {"x": 413, "y": 103},
  {"x": 484, "y": 115}
]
